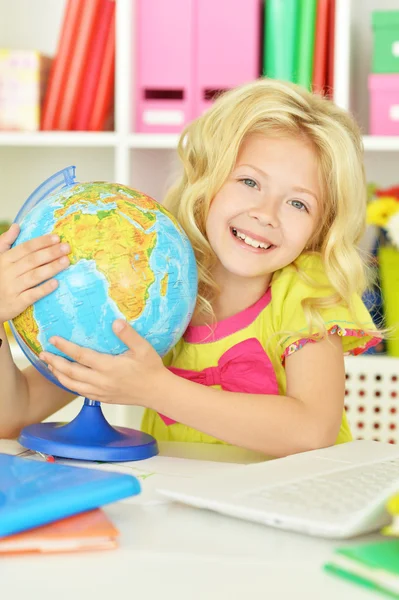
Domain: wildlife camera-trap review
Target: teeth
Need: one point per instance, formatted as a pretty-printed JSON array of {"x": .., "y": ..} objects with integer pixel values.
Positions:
[{"x": 248, "y": 240}]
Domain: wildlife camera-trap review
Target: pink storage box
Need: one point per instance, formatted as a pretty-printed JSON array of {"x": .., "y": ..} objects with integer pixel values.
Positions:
[
  {"x": 384, "y": 104},
  {"x": 228, "y": 47},
  {"x": 187, "y": 52},
  {"x": 164, "y": 45}
]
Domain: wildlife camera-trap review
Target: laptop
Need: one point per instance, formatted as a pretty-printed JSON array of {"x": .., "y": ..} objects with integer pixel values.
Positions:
[{"x": 337, "y": 492}]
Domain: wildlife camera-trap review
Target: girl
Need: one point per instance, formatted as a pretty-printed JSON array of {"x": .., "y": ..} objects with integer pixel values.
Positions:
[{"x": 272, "y": 197}]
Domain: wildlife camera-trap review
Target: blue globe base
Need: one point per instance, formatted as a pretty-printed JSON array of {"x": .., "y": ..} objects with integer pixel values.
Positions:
[{"x": 89, "y": 437}]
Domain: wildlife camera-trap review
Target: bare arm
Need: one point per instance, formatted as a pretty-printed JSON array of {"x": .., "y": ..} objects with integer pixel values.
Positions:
[
  {"x": 26, "y": 396},
  {"x": 26, "y": 275},
  {"x": 308, "y": 417}
]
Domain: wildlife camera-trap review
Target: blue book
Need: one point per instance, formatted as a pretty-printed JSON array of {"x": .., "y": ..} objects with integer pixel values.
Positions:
[{"x": 34, "y": 493}]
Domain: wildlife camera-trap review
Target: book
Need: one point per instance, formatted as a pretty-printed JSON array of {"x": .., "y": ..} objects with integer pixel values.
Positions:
[
  {"x": 319, "y": 79},
  {"x": 90, "y": 530},
  {"x": 305, "y": 43},
  {"x": 372, "y": 565},
  {"x": 81, "y": 44},
  {"x": 280, "y": 39},
  {"x": 34, "y": 493},
  {"x": 331, "y": 51},
  {"x": 59, "y": 69},
  {"x": 101, "y": 117},
  {"x": 23, "y": 79},
  {"x": 94, "y": 66},
  {"x": 393, "y": 508}
]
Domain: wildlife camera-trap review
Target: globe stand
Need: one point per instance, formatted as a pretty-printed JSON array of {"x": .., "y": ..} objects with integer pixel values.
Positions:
[{"x": 89, "y": 437}]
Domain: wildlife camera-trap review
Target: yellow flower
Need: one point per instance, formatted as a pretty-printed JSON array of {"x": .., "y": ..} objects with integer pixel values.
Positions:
[{"x": 381, "y": 210}]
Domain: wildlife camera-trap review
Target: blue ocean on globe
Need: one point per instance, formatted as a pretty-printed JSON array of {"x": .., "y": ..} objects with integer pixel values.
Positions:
[{"x": 129, "y": 259}]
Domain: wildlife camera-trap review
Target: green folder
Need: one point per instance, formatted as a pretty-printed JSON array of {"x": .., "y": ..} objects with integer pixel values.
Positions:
[
  {"x": 280, "y": 39},
  {"x": 305, "y": 43},
  {"x": 372, "y": 565}
]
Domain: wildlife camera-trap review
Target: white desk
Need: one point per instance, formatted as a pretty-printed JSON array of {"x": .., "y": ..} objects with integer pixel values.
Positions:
[
  {"x": 170, "y": 551},
  {"x": 176, "y": 552}
]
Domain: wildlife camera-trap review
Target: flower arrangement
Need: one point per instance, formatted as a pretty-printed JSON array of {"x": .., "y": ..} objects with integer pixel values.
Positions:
[{"x": 383, "y": 212}]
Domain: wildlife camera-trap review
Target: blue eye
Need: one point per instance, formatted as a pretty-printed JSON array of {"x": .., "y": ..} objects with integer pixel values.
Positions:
[
  {"x": 249, "y": 182},
  {"x": 299, "y": 205}
]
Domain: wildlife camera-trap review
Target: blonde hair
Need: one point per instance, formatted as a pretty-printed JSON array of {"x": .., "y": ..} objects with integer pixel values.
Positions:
[{"x": 208, "y": 149}]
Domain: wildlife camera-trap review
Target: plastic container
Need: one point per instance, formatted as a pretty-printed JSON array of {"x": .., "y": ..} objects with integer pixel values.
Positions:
[
  {"x": 384, "y": 104},
  {"x": 386, "y": 41}
]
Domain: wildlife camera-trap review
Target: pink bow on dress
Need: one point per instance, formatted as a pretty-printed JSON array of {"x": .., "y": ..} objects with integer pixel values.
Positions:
[{"x": 243, "y": 368}]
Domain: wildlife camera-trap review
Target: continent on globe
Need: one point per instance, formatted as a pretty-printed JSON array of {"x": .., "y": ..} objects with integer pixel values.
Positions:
[{"x": 129, "y": 259}]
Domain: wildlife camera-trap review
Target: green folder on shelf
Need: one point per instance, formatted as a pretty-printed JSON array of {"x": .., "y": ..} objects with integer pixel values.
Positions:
[
  {"x": 305, "y": 43},
  {"x": 280, "y": 39},
  {"x": 372, "y": 565}
]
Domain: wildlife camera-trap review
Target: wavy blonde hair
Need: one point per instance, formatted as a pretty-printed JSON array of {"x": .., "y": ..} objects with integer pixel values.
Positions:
[{"x": 208, "y": 150}]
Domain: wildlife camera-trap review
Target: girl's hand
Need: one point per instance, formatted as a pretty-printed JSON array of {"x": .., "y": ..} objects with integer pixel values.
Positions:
[
  {"x": 134, "y": 377},
  {"x": 27, "y": 271}
]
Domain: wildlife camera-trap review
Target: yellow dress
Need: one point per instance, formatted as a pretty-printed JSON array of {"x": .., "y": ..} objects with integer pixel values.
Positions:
[{"x": 246, "y": 352}]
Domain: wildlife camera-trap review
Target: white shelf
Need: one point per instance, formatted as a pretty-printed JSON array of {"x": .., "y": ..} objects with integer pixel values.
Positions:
[
  {"x": 59, "y": 139},
  {"x": 382, "y": 143},
  {"x": 153, "y": 140},
  {"x": 140, "y": 140},
  {"x": 125, "y": 156}
]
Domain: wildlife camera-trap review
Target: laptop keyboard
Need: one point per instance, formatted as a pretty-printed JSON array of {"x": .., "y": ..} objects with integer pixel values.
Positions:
[{"x": 331, "y": 495}]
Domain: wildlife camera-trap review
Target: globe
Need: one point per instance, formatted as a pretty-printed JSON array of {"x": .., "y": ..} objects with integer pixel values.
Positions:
[{"x": 129, "y": 259}]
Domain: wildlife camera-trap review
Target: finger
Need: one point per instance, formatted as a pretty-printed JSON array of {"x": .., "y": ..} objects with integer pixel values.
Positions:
[
  {"x": 9, "y": 237},
  {"x": 78, "y": 387},
  {"x": 33, "y": 295},
  {"x": 42, "y": 257},
  {"x": 83, "y": 356},
  {"x": 37, "y": 276},
  {"x": 33, "y": 245},
  {"x": 129, "y": 336},
  {"x": 74, "y": 371}
]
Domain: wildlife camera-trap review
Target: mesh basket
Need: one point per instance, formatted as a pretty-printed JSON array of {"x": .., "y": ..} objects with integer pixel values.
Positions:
[{"x": 372, "y": 397}]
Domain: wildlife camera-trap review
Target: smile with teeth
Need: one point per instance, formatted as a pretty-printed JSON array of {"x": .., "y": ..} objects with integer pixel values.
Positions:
[{"x": 250, "y": 241}]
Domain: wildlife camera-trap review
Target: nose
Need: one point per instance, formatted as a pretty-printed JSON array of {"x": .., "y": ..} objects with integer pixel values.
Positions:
[{"x": 266, "y": 213}]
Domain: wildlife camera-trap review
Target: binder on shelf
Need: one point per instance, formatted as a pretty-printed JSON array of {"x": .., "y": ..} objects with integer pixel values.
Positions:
[
  {"x": 280, "y": 33},
  {"x": 331, "y": 51},
  {"x": 164, "y": 66},
  {"x": 81, "y": 43},
  {"x": 101, "y": 117},
  {"x": 321, "y": 47},
  {"x": 228, "y": 47},
  {"x": 306, "y": 42},
  {"x": 59, "y": 70},
  {"x": 94, "y": 67}
]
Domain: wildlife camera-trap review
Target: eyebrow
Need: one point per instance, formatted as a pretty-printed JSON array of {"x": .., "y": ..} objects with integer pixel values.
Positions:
[{"x": 297, "y": 188}]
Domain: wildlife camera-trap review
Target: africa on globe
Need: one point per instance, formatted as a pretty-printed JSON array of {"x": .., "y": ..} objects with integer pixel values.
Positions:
[{"x": 129, "y": 259}]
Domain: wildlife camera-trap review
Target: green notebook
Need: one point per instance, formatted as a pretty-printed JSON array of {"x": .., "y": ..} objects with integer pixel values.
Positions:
[{"x": 373, "y": 565}]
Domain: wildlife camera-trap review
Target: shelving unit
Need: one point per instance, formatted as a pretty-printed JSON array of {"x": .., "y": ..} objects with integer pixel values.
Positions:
[{"x": 148, "y": 161}]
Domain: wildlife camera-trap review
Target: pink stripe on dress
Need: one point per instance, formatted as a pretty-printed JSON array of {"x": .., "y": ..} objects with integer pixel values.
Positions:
[{"x": 200, "y": 334}]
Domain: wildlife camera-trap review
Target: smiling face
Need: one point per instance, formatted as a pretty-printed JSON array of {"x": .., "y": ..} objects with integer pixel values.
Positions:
[{"x": 266, "y": 212}]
